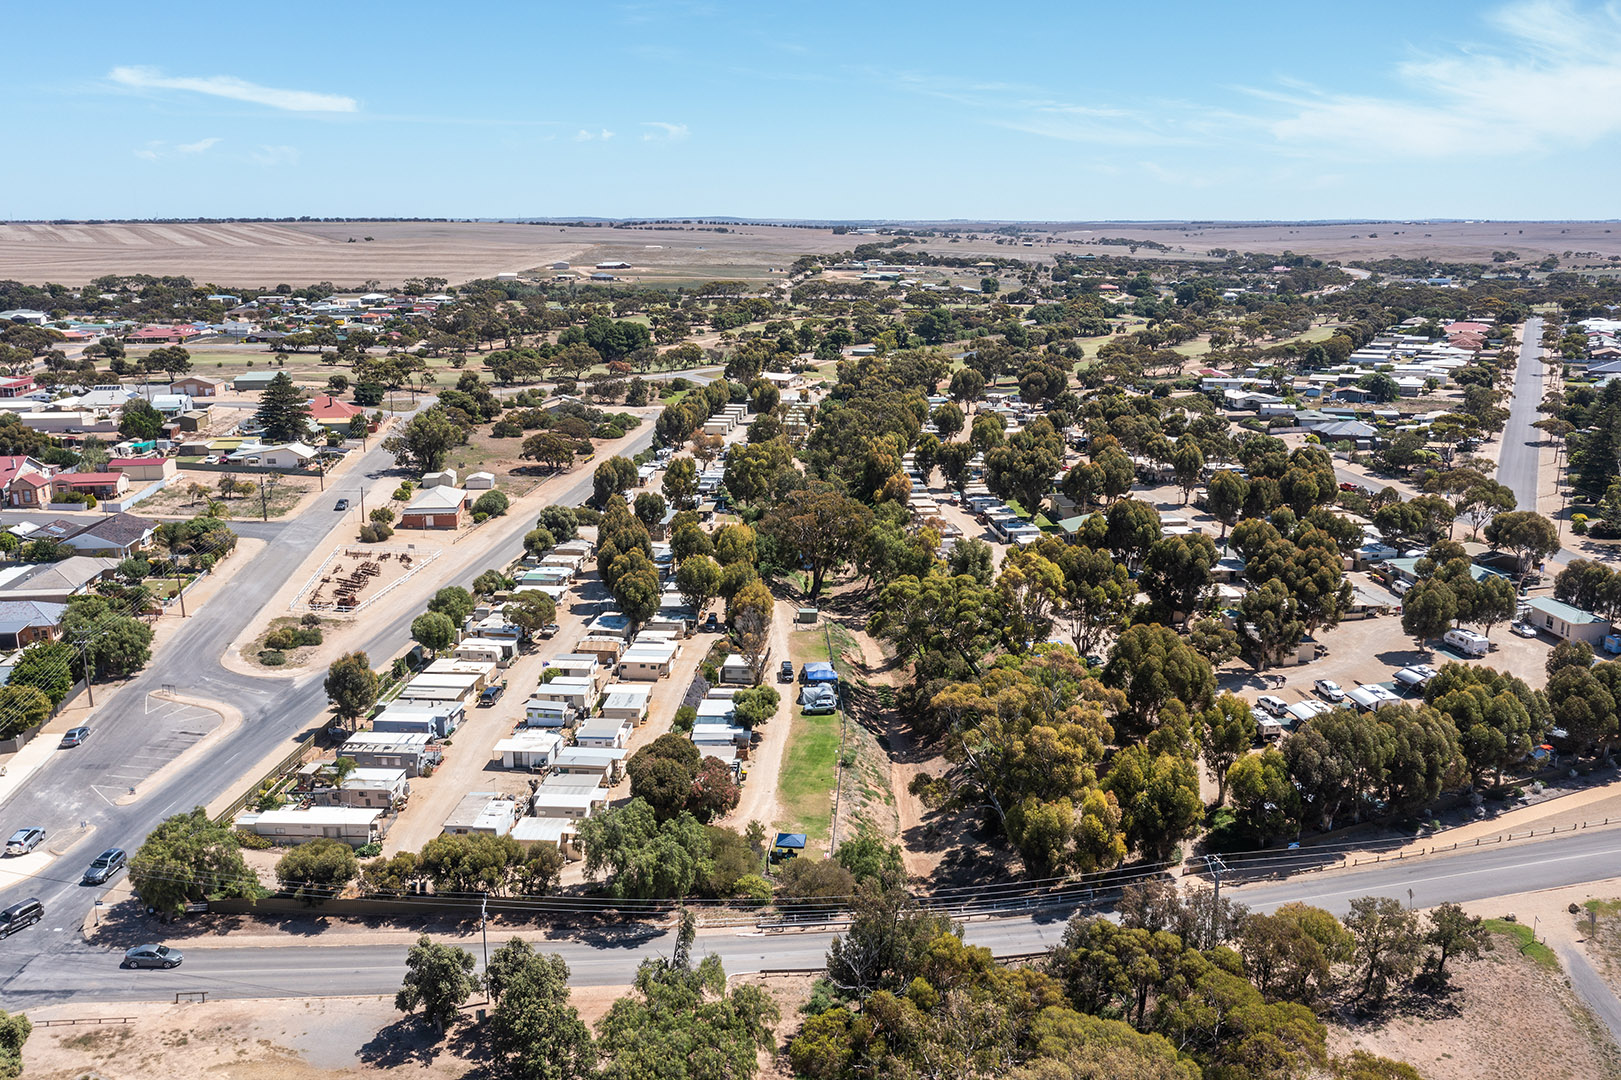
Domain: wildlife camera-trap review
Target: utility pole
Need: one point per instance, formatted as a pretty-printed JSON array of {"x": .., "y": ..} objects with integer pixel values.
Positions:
[
  {"x": 484, "y": 927},
  {"x": 264, "y": 503},
  {"x": 180, "y": 586},
  {"x": 1216, "y": 868},
  {"x": 84, "y": 663}
]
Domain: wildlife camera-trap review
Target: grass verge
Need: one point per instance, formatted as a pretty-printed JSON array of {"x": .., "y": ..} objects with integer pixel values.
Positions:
[{"x": 1527, "y": 945}]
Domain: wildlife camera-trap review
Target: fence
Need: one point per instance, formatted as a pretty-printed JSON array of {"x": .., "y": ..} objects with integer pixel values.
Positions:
[
  {"x": 200, "y": 466},
  {"x": 85, "y": 1020},
  {"x": 291, "y": 761}
]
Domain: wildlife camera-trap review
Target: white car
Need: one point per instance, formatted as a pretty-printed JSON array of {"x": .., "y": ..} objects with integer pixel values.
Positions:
[
  {"x": 1400, "y": 586},
  {"x": 1329, "y": 689},
  {"x": 1523, "y": 629},
  {"x": 1272, "y": 704}
]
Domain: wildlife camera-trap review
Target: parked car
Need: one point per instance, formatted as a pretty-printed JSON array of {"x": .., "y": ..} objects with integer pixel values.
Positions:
[
  {"x": 1524, "y": 629},
  {"x": 105, "y": 865},
  {"x": 785, "y": 673},
  {"x": 492, "y": 693},
  {"x": 549, "y": 630},
  {"x": 1329, "y": 689},
  {"x": 152, "y": 956},
  {"x": 75, "y": 736},
  {"x": 1272, "y": 704},
  {"x": 22, "y": 914},
  {"x": 341, "y": 504},
  {"x": 712, "y": 624},
  {"x": 25, "y": 840},
  {"x": 1400, "y": 586}
]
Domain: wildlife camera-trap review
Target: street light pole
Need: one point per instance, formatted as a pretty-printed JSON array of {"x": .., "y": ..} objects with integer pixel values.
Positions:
[
  {"x": 84, "y": 663},
  {"x": 484, "y": 927}
]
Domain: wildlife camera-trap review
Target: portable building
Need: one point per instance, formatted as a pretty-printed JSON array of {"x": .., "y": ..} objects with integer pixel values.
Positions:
[
  {"x": 356, "y": 826},
  {"x": 528, "y": 748},
  {"x": 483, "y": 813}
]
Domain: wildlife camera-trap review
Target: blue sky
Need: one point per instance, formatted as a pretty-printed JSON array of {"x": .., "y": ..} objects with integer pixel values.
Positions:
[{"x": 1061, "y": 111}]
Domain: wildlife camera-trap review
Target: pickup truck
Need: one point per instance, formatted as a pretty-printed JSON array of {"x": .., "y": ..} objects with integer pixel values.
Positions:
[{"x": 492, "y": 693}]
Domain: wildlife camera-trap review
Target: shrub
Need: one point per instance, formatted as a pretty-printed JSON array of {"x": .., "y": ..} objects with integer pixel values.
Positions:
[
  {"x": 752, "y": 887},
  {"x": 369, "y": 851},
  {"x": 382, "y": 515},
  {"x": 1604, "y": 530},
  {"x": 281, "y": 639},
  {"x": 491, "y": 504},
  {"x": 253, "y": 841},
  {"x": 403, "y": 492},
  {"x": 309, "y": 637},
  {"x": 272, "y": 658},
  {"x": 375, "y": 533},
  {"x": 506, "y": 429}
]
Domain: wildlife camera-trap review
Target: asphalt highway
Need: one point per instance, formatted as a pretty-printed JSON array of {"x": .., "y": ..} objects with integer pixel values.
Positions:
[{"x": 73, "y": 971}]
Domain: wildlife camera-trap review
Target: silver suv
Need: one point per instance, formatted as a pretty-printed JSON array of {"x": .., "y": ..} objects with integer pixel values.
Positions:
[{"x": 25, "y": 840}]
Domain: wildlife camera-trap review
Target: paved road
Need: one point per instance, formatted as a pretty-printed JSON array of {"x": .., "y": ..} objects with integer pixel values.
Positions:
[
  {"x": 134, "y": 730},
  {"x": 1517, "y": 466},
  {"x": 74, "y": 971}
]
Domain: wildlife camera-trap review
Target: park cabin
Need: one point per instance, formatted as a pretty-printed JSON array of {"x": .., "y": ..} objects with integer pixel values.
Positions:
[
  {"x": 369, "y": 789},
  {"x": 438, "y": 719},
  {"x": 605, "y": 763},
  {"x": 577, "y": 693},
  {"x": 561, "y": 833},
  {"x": 356, "y": 826},
  {"x": 569, "y": 803},
  {"x": 648, "y": 662},
  {"x": 528, "y": 748},
  {"x": 602, "y": 731},
  {"x": 1566, "y": 621},
  {"x": 548, "y": 713},
  {"x": 411, "y": 751},
  {"x": 622, "y": 701},
  {"x": 483, "y": 813}
]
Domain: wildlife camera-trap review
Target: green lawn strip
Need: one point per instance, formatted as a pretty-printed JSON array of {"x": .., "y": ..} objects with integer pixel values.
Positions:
[
  {"x": 805, "y": 783},
  {"x": 1524, "y": 942}
]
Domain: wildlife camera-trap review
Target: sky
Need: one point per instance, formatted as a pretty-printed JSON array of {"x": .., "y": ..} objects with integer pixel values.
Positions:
[{"x": 895, "y": 110}]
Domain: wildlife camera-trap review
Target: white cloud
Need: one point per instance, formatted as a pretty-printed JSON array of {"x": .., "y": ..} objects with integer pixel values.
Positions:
[
  {"x": 276, "y": 155},
  {"x": 157, "y": 148},
  {"x": 1554, "y": 82},
  {"x": 588, "y": 136},
  {"x": 227, "y": 86},
  {"x": 664, "y": 132}
]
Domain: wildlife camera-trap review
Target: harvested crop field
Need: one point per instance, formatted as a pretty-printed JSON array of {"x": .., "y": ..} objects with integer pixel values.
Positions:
[{"x": 263, "y": 254}]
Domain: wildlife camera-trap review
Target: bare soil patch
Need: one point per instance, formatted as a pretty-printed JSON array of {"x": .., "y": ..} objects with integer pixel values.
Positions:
[{"x": 1506, "y": 1019}]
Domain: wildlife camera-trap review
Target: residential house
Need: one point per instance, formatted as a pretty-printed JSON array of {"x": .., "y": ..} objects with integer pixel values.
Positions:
[
  {"x": 24, "y": 481},
  {"x": 53, "y": 583},
  {"x": 23, "y": 622},
  {"x": 103, "y": 485},
  {"x": 333, "y": 414},
  {"x": 117, "y": 536},
  {"x": 250, "y": 381},
  {"x": 294, "y": 455},
  {"x": 392, "y": 750},
  {"x": 17, "y": 387},
  {"x": 436, "y": 508}
]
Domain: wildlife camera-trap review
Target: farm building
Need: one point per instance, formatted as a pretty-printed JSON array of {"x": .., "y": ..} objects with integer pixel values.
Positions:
[{"x": 436, "y": 508}]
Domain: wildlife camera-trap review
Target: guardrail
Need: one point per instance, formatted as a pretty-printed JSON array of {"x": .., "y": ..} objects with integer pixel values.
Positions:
[{"x": 86, "y": 1020}]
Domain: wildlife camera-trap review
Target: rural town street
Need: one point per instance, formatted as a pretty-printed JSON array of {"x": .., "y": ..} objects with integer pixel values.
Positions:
[
  {"x": 76, "y": 971},
  {"x": 75, "y": 787}
]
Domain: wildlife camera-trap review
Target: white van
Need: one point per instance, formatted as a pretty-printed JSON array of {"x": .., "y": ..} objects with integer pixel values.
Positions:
[{"x": 1468, "y": 642}]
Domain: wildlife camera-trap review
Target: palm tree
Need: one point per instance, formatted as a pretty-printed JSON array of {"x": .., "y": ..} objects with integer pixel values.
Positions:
[{"x": 339, "y": 771}]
